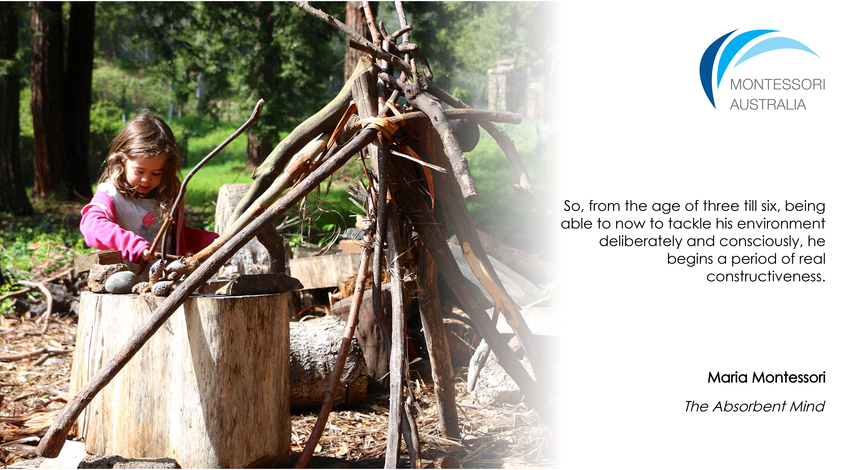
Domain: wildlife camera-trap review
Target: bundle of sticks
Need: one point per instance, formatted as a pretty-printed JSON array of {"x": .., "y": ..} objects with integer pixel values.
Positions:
[{"x": 417, "y": 177}]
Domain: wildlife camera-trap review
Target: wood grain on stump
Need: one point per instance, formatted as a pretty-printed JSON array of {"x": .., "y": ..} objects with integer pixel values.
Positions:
[{"x": 210, "y": 388}]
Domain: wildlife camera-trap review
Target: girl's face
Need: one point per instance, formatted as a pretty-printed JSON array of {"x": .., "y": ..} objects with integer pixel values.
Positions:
[{"x": 144, "y": 174}]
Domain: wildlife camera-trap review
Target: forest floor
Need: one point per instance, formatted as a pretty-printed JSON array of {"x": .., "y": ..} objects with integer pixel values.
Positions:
[{"x": 494, "y": 436}]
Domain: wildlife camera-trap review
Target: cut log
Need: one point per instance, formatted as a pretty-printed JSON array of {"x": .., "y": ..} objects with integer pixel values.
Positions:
[
  {"x": 318, "y": 272},
  {"x": 209, "y": 389},
  {"x": 314, "y": 346}
]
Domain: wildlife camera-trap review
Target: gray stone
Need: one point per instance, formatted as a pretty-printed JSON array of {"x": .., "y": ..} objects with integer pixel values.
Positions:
[
  {"x": 116, "y": 461},
  {"x": 99, "y": 273},
  {"x": 495, "y": 386},
  {"x": 121, "y": 282}
]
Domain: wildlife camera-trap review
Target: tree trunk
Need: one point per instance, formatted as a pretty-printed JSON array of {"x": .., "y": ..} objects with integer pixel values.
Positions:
[
  {"x": 13, "y": 196},
  {"x": 210, "y": 389},
  {"x": 355, "y": 20},
  {"x": 257, "y": 151},
  {"x": 78, "y": 95},
  {"x": 46, "y": 70},
  {"x": 263, "y": 137}
]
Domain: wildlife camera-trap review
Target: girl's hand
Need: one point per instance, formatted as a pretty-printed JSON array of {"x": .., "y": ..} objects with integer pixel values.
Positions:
[{"x": 148, "y": 255}]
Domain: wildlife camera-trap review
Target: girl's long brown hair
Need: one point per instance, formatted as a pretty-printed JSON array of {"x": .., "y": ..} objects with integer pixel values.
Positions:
[{"x": 146, "y": 136}]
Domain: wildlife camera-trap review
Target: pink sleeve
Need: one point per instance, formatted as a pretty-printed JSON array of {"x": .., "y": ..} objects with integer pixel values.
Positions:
[
  {"x": 196, "y": 239},
  {"x": 101, "y": 232}
]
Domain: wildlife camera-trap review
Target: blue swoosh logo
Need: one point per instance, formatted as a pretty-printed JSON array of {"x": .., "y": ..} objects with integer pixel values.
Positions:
[{"x": 739, "y": 42}]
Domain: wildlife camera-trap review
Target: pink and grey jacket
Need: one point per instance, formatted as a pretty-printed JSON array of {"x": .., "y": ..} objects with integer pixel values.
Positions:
[{"x": 112, "y": 221}]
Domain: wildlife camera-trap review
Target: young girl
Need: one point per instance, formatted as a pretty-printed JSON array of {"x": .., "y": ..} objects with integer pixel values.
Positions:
[{"x": 135, "y": 193}]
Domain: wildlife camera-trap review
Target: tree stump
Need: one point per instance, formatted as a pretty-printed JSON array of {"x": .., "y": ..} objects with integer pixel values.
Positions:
[{"x": 209, "y": 389}]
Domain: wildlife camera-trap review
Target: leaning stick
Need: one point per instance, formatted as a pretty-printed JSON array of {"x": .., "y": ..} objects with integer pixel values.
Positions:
[
  {"x": 53, "y": 441},
  {"x": 473, "y": 304},
  {"x": 344, "y": 346},
  {"x": 397, "y": 351},
  {"x": 435, "y": 339}
]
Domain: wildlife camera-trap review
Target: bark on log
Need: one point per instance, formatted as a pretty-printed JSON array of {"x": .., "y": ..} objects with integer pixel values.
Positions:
[
  {"x": 85, "y": 261},
  {"x": 314, "y": 345},
  {"x": 208, "y": 390},
  {"x": 13, "y": 195},
  {"x": 46, "y": 74}
]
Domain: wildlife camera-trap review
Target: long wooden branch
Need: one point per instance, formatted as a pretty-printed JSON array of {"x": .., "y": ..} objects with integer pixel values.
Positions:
[
  {"x": 54, "y": 440},
  {"x": 307, "y": 8},
  {"x": 435, "y": 340},
  {"x": 439, "y": 250},
  {"x": 534, "y": 393},
  {"x": 449, "y": 197},
  {"x": 295, "y": 168},
  {"x": 430, "y": 106},
  {"x": 397, "y": 352}
]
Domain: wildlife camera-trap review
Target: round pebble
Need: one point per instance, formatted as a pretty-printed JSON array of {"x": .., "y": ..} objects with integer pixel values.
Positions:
[{"x": 121, "y": 282}]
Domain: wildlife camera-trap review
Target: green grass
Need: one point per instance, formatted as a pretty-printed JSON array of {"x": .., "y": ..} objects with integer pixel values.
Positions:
[{"x": 198, "y": 137}]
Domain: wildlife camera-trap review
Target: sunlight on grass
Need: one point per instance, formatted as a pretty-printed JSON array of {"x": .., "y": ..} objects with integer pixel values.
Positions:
[{"x": 203, "y": 188}]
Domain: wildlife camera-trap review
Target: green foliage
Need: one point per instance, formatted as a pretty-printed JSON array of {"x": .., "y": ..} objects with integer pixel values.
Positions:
[
  {"x": 130, "y": 90},
  {"x": 105, "y": 123},
  {"x": 463, "y": 40},
  {"x": 42, "y": 242}
]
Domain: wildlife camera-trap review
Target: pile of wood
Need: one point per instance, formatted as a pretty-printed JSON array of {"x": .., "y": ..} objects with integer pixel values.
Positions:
[{"x": 418, "y": 179}]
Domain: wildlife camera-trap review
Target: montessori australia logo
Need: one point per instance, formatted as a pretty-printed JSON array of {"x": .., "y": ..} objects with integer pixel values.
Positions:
[{"x": 753, "y": 43}]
